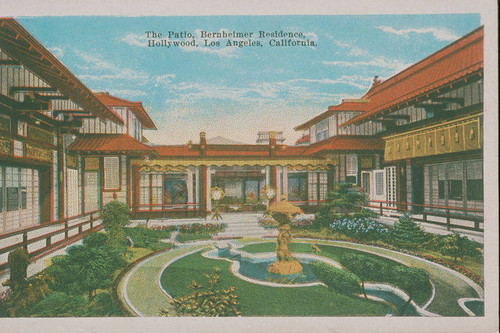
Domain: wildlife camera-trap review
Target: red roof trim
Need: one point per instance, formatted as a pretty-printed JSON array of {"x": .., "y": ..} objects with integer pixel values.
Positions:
[
  {"x": 102, "y": 143},
  {"x": 135, "y": 107},
  {"x": 346, "y": 143},
  {"x": 50, "y": 69}
]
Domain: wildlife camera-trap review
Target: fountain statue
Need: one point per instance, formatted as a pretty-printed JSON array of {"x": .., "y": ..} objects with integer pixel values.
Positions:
[{"x": 283, "y": 212}]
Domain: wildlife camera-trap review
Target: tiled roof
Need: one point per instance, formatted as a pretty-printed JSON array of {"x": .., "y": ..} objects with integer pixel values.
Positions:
[
  {"x": 21, "y": 45},
  {"x": 303, "y": 139},
  {"x": 346, "y": 142},
  {"x": 229, "y": 151},
  {"x": 346, "y": 106},
  {"x": 108, "y": 143},
  {"x": 455, "y": 61},
  {"x": 135, "y": 107}
]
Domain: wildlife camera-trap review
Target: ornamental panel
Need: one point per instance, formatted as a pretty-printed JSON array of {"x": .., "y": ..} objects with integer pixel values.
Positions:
[
  {"x": 39, "y": 134},
  {"x": 443, "y": 141},
  {"x": 91, "y": 163},
  {"x": 38, "y": 153},
  {"x": 5, "y": 146}
]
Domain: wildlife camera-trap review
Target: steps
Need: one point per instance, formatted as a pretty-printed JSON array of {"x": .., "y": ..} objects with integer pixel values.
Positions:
[{"x": 244, "y": 225}]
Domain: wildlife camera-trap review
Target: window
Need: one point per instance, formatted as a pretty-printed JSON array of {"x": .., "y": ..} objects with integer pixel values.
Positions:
[
  {"x": 441, "y": 189},
  {"x": 175, "y": 189},
  {"x": 111, "y": 172},
  {"x": 351, "y": 164},
  {"x": 297, "y": 186},
  {"x": 323, "y": 185},
  {"x": 455, "y": 189},
  {"x": 322, "y": 130},
  {"x": 144, "y": 189},
  {"x": 156, "y": 189},
  {"x": 18, "y": 148},
  {"x": 475, "y": 189},
  {"x": 12, "y": 188},
  {"x": 22, "y": 128}
]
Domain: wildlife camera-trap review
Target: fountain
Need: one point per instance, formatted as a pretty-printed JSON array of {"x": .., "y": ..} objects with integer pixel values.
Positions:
[{"x": 285, "y": 264}]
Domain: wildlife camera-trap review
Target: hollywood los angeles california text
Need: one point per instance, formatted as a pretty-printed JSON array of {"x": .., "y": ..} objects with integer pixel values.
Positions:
[{"x": 223, "y": 38}]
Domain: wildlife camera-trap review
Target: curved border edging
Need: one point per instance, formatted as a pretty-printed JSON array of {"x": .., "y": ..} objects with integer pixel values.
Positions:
[
  {"x": 464, "y": 278},
  {"x": 462, "y": 301},
  {"x": 123, "y": 272}
]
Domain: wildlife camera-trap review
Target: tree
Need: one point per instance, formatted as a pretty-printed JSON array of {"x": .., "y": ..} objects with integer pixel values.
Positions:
[
  {"x": 411, "y": 279},
  {"x": 343, "y": 201},
  {"x": 87, "y": 267},
  {"x": 115, "y": 215},
  {"x": 407, "y": 232},
  {"x": 364, "y": 267},
  {"x": 457, "y": 246}
]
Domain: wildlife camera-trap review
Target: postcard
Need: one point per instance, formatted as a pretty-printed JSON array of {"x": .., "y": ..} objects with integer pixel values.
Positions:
[{"x": 284, "y": 167}]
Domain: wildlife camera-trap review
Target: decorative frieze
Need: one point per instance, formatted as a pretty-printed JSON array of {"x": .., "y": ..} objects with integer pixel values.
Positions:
[
  {"x": 39, "y": 134},
  {"x": 5, "y": 146},
  {"x": 451, "y": 137},
  {"x": 38, "y": 153}
]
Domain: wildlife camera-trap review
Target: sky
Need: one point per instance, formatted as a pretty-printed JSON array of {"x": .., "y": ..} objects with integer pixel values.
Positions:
[{"x": 236, "y": 92}]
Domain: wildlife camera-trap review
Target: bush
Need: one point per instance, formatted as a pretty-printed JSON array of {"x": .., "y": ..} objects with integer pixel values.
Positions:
[
  {"x": 344, "y": 201},
  {"x": 58, "y": 304},
  {"x": 87, "y": 267},
  {"x": 200, "y": 228},
  {"x": 148, "y": 238},
  {"x": 361, "y": 229},
  {"x": 408, "y": 233},
  {"x": 411, "y": 279},
  {"x": 337, "y": 279},
  {"x": 457, "y": 246},
  {"x": 364, "y": 267},
  {"x": 102, "y": 306},
  {"x": 209, "y": 301},
  {"x": 115, "y": 215}
]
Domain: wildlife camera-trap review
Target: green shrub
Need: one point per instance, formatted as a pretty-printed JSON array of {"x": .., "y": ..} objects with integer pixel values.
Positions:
[
  {"x": 344, "y": 201},
  {"x": 103, "y": 306},
  {"x": 364, "y": 267},
  {"x": 209, "y": 301},
  {"x": 411, "y": 279},
  {"x": 115, "y": 215},
  {"x": 337, "y": 279},
  {"x": 58, "y": 304},
  {"x": 18, "y": 261},
  {"x": 148, "y": 238},
  {"x": 408, "y": 233},
  {"x": 87, "y": 267},
  {"x": 457, "y": 246}
]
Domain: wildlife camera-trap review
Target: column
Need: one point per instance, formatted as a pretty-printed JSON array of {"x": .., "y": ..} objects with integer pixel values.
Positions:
[
  {"x": 189, "y": 185},
  {"x": 285, "y": 181},
  {"x": 203, "y": 188}
]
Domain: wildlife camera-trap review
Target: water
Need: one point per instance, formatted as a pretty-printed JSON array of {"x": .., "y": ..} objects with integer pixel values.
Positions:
[{"x": 256, "y": 268}]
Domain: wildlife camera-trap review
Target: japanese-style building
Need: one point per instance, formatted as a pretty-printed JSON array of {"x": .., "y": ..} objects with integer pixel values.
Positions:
[{"x": 413, "y": 141}]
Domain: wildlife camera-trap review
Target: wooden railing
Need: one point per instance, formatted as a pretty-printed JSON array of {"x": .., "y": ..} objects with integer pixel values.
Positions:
[
  {"x": 91, "y": 219},
  {"x": 448, "y": 212}
]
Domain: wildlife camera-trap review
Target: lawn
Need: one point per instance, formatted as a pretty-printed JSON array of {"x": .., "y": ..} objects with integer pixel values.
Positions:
[
  {"x": 258, "y": 300},
  {"x": 335, "y": 253}
]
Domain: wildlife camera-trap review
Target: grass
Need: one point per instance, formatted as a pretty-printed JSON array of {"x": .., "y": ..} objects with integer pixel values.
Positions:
[
  {"x": 335, "y": 253},
  {"x": 474, "y": 264},
  {"x": 258, "y": 300}
]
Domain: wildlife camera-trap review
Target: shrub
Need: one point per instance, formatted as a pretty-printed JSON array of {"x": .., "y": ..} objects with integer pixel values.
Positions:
[
  {"x": 102, "y": 306},
  {"x": 344, "y": 201},
  {"x": 337, "y": 279},
  {"x": 209, "y": 301},
  {"x": 361, "y": 228},
  {"x": 408, "y": 233},
  {"x": 364, "y": 267},
  {"x": 457, "y": 246},
  {"x": 18, "y": 261},
  {"x": 411, "y": 279},
  {"x": 58, "y": 304},
  {"x": 115, "y": 215},
  {"x": 87, "y": 267},
  {"x": 147, "y": 237}
]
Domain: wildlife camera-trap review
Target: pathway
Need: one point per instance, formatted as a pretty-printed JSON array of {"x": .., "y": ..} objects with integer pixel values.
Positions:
[{"x": 141, "y": 290}]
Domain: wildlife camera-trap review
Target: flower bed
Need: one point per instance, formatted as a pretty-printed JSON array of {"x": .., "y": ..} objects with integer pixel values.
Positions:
[
  {"x": 201, "y": 228},
  {"x": 360, "y": 228},
  {"x": 302, "y": 222},
  {"x": 471, "y": 275}
]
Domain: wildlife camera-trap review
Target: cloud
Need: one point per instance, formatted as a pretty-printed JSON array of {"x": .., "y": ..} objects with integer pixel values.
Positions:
[
  {"x": 127, "y": 92},
  {"x": 440, "y": 34},
  {"x": 99, "y": 69},
  {"x": 135, "y": 40},
  {"x": 56, "y": 51},
  {"x": 164, "y": 79},
  {"x": 353, "y": 50},
  {"x": 379, "y": 62}
]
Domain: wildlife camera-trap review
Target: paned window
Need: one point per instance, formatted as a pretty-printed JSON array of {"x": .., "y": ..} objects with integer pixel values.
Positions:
[
  {"x": 297, "y": 186},
  {"x": 322, "y": 130},
  {"x": 111, "y": 172}
]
